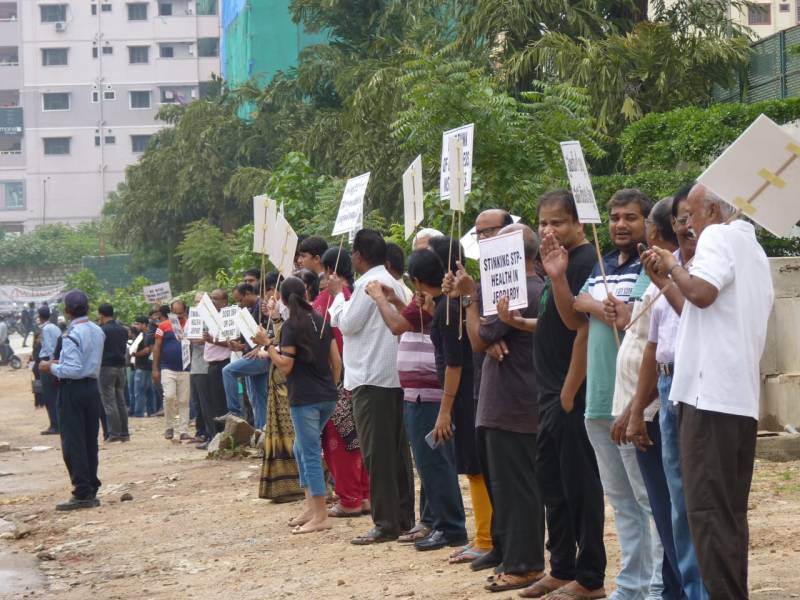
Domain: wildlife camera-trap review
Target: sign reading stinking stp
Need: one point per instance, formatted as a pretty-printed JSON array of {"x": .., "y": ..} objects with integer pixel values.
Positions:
[{"x": 502, "y": 265}]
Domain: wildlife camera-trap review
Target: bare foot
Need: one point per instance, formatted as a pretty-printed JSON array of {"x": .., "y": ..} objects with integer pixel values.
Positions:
[
  {"x": 313, "y": 526},
  {"x": 543, "y": 587},
  {"x": 301, "y": 519},
  {"x": 577, "y": 588}
]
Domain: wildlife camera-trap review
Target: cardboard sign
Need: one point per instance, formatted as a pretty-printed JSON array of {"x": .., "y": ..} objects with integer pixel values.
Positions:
[
  {"x": 155, "y": 294},
  {"x": 580, "y": 183},
  {"x": 186, "y": 353},
  {"x": 470, "y": 242},
  {"x": 760, "y": 175},
  {"x": 264, "y": 212},
  {"x": 413, "y": 207},
  {"x": 502, "y": 265},
  {"x": 177, "y": 328},
  {"x": 194, "y": 325},
  {"x": 282, "y": 246},
  {"x": 247, "y": 326},
  {"x": 455, "y": 150},
  {"x": 210, "y": 316},
  {"x": 351, "y": 209},
  {"x": 466, "y": 135},
  {"x": 229, "y": 329},
  {"x": 135, "y": 345}
]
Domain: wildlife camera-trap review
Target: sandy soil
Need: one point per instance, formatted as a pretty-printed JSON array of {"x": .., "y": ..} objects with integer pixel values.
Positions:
[{"x": 196, "y": 529}]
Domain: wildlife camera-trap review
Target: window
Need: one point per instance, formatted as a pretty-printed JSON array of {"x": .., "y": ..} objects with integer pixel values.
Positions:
[
  {"x": 208, "y": 47},
  {"x": 166, "y": 51},
  {"x": 139, "y": 143},
  {"x": 784, "y": 8},
  {"x": 56, "y": 145},
  {"x": 109, "y": 95},
  {"x": 14, "y": 196},
  {"x": 108, "y": 50},
  {"x": 94, "y": 52},
  {"x": 51, "y": 13},
  {"x": 94, "y": 9},
  {"x": 110, "y": 139},
  {"x": 140, "y": 99},
  {"x": 106, "y": 8},
  {"x": 54, "y": 56},
  {"x": 759, "y": 14},
  {"x": 95, "y": 96},
  {"x": 55, "y": 101},
  {"x": 138, "y": 54},
  {"x": 206, "y": 7},
  {"x": 137, "y": 11},
  {"x": 165, "y": 9}
]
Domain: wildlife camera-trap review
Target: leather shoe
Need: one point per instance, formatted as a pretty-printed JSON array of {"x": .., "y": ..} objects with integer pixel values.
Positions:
[
  {"x": 49, "y": 432},
  {"x": 487, "y": 561},
  {"x": 76, "y": 503},
  {"x": 436, "y": 540}
]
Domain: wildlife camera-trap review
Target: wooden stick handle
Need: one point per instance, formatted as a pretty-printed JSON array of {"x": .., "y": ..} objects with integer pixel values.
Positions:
[
  {"x": 335, "y": 268},
  {"x": 603, "y": 273}
]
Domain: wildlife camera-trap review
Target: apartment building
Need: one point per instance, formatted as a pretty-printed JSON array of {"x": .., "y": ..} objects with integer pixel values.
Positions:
[
  {"x": 766, "y": 18},
  {"x": 80, "y": 84}
]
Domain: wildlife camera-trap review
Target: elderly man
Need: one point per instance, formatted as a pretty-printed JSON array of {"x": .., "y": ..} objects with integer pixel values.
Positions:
[
  {"x": 721, "y": 335},
  {"x": 506, "y": 422},
  {"x": 370, "y": 361},
  {"x": 79, "y": 400}
]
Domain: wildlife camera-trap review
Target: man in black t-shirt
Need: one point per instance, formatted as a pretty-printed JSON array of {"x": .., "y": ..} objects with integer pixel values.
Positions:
[
  {"x": 566, "y": 466},
  {"x": 144, "y": 394}
]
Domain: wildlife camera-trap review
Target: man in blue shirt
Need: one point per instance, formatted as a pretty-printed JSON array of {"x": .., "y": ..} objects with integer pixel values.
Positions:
[
  {"x": 50, "y": 335},
  {"x": 77, "y": 369}
]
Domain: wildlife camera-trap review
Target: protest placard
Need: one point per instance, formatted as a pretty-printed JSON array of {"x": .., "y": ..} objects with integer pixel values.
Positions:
[
  {"x": 759, "y": 174},
  {"x": 210, "y": 315},
  {"x": 177, "y": 328},
  {"x": 247, "y": 326},
  {"x": 134, "y": 348},
  {"x": 580, "y": 183},
  {"x": 351, "y": 209},
  {"x": 502, "y": 266},
  {"x": 229, "y": 330},
  {"x": 454, "y": 151},
  {"x": 282, "y": 246},
  {"x": 157, "y": 293},
  {"x": 186, "y": 353},
  {"x": 194, "y": 325},
  {"x": 413, "y": 207},
  {"x": 264, "y": 211},
  {"x": 469, "y": 242},
  {"x": 466, "y": 135}
]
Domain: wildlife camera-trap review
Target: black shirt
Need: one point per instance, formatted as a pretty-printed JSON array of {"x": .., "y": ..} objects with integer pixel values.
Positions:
[
  {"x": 116, "y": 345},
  {"x": 310, "y": 380},
  {"x": 143, "y": 362},
  {"x": 448, "y": 350},
  {"x": 552, "y": 343}
]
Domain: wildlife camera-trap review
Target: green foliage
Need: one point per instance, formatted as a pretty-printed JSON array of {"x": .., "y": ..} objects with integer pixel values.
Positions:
[
  {"x": 128, "y": 302},
  {"x": 204, "y": 249},
  {"x": 54, "y": 245}
]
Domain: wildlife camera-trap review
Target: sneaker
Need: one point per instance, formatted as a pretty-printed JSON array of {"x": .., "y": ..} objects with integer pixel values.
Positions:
[
  {"x": 169, "y": 434},
  {"x": 77, "y": 503}
]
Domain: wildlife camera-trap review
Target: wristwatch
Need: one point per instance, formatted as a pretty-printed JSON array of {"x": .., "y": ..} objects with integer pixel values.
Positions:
[{"x": 466, "y": 301}]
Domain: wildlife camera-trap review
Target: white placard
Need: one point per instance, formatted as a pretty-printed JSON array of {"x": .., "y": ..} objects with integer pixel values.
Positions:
[
  {"x": 413, "y": 207},
  {"x": 454, "y": 151},
  {"x": 135, "y": 345},
  {"x": 470, "y": 242},
  {"x": 760, "y": 175},
  {"x": 580, "y": 183},
  {"x": 177, "y": 328},
  {"x": 186, "y": 353},
  {"x": 247, "y": 326},
  {"x": 282, "y": 246},
  {"x": 502, "y": 265},
  {"x": 351, "y": 209},
  {"x": 264, "y": 212},
  {"x": 210, "y": 315},
  {"x": 156, "y": 293},
  {"x": 466, "y": 134},
  {"x": 229, "y": 329},
  {"x": 194, "y": 325}
]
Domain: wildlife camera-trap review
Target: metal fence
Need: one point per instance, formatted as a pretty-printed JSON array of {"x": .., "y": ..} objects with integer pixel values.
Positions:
[{"x": 773, "y": 72}]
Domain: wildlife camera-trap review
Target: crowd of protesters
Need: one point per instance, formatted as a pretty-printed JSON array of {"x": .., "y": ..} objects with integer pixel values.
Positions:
[{"x": 635, "y": 379}]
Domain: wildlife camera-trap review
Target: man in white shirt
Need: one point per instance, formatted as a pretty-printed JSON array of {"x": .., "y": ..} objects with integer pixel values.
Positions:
[
  {"x": 370, "y": 372},
  {"x": 720, "y": 340}
]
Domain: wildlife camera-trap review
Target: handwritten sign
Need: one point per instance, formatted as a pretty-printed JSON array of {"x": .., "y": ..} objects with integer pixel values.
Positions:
[
  {"x": 760, "y": 175},
  {"x": 351, "y": 209},
  {"x": 466, "y": 135},
  {"x": 413, "y": 207},
  {"x": 264, "y": 212},
  {"x": 469, "y": 242},
  {"x": 210, "y": 315},
  {"x": 247, "y": 326},
  {"x": 580, "y": 183},
  {"x": 160, "y": 292},
  {"x": 502, "y": 265},
  {"x": 194, "y": 325},
  {"x": 229, "y": 329}
]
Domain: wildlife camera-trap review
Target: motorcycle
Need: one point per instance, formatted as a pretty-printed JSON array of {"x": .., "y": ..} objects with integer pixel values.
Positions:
[{"x": 7, "y": 357}]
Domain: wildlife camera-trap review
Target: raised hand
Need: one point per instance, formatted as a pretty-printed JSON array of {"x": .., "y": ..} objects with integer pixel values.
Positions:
[
  {"x": 374, "y": 290},
  {"x": 555, "y": 257}
]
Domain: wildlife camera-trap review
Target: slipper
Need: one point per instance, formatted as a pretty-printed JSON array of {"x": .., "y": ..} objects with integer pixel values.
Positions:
[
  {"x": 466, "y": 555},
  {"x": 512, "y": 581},
  {"x": 338, "y": 511},
  {"x": 373, "y": 536},
  {"x": 418, "y": 532},
  {"x": 539, "y": 590},
  {"x": 562, "y": 594},
  {"x": 300, "y": 531}
]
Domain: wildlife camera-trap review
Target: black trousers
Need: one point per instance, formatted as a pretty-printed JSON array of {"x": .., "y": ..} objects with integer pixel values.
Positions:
[
  {"x": 378, "y": 415},
  {"x": 508, "y": 461},
  {"x": 80, "y": 404},
  {"x": 217, "y": 404},
  {"x": 50, "y": 396},
  {"x": 566, "y": 469},
  {"x": 717, "y": 456}
]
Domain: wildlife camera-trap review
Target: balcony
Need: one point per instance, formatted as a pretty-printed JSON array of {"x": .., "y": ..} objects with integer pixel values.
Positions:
[
  {"x": 11, "y": 122},
  {"x": 8, "y": 12},
  {"x": 11, "y": 151},
  {"x": 9, "y": 56}
]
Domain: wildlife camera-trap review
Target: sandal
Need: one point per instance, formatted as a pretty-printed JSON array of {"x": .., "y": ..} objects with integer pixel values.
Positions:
[
  {"x": 505, "y": 582},
  {"x": 338, "y": 511},
  {"x": 540, "y": 589},
  {"x": 465, "y": 555},
  {"x": 373, "y": 536},
  {"x": 418, "y": 532},
  {"x": 562, "y": 594}
]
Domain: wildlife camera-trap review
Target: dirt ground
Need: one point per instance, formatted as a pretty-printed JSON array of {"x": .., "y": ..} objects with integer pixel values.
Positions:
[{"x": 196, "y": 529}]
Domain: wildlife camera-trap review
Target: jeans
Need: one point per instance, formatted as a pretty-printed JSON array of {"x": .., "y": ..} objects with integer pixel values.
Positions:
[
  {"x": 437, "y": 470},
  {"x": 308, "y": 421},
  {"x": 112, "y": 392},
  {"x": 256, "y": 371},
  {"x": 144, "y": 395},
  {"x": 641, "y": 551},
  {"x": 684, "y": 547}
]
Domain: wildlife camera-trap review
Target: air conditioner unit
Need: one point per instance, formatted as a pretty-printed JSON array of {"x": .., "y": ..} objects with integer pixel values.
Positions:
[{"x": 60, "y": 26}]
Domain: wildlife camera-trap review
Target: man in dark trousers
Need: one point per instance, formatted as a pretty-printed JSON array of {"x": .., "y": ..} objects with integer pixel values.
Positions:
[
  {"x": 50, "y": 336},
  {"x": 79, "y": 400},
  {"x": 28, "y": 324},
  {"x": 112, "y": 374}
]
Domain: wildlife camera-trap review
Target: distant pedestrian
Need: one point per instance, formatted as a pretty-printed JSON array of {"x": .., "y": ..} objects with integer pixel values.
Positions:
[
  {"x": 112, "y": 374},
  {"x": 50, "y": 336},
  {"x": 28, "y": 322}
]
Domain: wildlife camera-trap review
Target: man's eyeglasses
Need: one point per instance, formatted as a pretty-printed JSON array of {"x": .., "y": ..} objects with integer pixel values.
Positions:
[
  {"x": 486, "y": 231},
  {"x": 682, "y": 220}
]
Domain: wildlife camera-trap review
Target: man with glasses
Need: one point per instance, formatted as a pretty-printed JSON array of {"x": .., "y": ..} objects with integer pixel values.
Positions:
[{"x": 170, "y": 372}]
